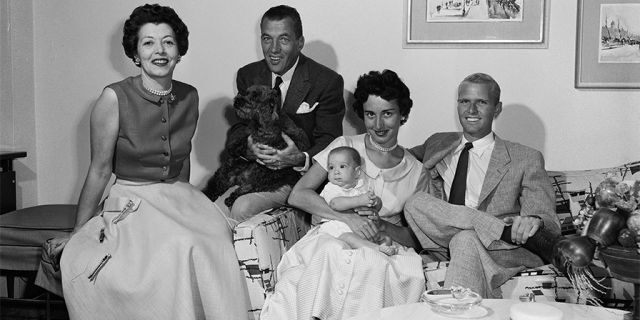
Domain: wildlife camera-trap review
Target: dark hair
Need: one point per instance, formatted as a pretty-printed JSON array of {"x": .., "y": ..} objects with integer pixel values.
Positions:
[
  {"x": 153, "y": 13},
  {"x": 281, "y": 12},
  {"x": 483, "y": 78},
  {"x": 355, "y": 155},
  {"x": 386, "y": 85}
]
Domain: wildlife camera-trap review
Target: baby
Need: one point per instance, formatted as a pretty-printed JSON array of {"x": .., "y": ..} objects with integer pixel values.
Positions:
[{"x": 346, "y": 190}]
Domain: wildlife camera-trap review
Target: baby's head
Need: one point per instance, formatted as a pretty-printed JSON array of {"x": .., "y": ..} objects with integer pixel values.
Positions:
[{"x": 343, "y": 166}]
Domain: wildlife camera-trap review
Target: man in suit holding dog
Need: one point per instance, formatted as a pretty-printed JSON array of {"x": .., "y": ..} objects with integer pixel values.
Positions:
[
  {"x": 490, "y": 207},
  {"x": 311, "y": 94}
]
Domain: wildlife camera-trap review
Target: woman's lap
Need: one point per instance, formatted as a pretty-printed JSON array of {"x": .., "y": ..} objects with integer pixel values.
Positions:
[
  {"x": 171, "y": 257},
  {"x": 322, "y": 277}
]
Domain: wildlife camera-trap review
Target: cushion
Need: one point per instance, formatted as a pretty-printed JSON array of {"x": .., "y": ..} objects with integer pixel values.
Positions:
[
  {"x": 22, "y": 233},
  {"x": 260, "y": 243}
]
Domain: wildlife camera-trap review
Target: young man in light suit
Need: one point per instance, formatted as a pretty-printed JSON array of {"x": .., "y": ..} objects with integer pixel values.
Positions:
[
  {"x": 311, "y": 94},
  {"x": 503, "y": 218}
]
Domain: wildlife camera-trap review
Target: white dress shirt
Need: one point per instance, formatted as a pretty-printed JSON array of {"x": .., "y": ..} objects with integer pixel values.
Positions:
[{"x": 479, "y": 157}]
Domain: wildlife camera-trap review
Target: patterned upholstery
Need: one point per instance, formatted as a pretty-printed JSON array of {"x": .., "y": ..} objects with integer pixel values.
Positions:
[{"x": 262, "y": 240}]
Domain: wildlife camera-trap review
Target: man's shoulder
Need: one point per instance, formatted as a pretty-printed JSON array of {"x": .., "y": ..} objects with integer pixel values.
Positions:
[
  {"x": 442, "y": 137},
  {"x": 252, "y": 67},
  {"x": 317, "y": 68},
  {"x": 520, "y": 151}
]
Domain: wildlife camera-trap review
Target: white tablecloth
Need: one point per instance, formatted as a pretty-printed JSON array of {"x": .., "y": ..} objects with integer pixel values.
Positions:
[{"x": 494, "y": 309}]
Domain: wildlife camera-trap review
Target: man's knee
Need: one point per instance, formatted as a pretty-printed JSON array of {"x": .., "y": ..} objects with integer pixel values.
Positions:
[
  {"x": 464, "y": 240},
  {"x": 418, "y": 207}
]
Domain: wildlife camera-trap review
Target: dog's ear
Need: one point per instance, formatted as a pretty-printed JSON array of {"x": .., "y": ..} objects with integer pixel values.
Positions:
[{"x": 240, "y": 106}]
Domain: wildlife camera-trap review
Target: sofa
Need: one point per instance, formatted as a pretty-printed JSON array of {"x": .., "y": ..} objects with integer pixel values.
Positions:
[{"x": 261, "y": 241}]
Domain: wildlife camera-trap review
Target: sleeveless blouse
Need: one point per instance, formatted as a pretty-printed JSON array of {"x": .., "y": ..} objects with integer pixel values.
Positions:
[{"x": 155, "y": 132}]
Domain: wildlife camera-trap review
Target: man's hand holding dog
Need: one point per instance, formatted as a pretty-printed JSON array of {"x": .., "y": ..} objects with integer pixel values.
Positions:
[{"x": 275, "y": 159}]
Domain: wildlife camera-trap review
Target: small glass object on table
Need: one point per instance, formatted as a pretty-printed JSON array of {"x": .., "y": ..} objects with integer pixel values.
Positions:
[{"x": 456, "y": 300}]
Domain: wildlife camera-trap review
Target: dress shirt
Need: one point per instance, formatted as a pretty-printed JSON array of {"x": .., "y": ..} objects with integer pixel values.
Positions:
[
  {"x": 286, "y": 81},
  {"x": 479, "y": 158},
  {"x": 284, "y": 87}
]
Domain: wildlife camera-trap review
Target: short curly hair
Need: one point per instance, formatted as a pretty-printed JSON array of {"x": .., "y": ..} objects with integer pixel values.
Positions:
[
  {"x": 156, "y": 14},
  {"x": 386, "y": 85}
]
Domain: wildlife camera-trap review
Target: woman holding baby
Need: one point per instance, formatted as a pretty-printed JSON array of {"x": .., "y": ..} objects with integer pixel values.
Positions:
[{"x": 324, "y": 276}]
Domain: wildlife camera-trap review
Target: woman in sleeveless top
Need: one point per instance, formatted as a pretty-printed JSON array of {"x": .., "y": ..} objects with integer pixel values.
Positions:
[{"x": 156, "y": 248}]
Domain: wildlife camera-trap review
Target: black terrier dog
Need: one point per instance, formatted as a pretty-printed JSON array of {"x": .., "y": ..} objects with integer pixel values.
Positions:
[{"x": 260, "y": 109}]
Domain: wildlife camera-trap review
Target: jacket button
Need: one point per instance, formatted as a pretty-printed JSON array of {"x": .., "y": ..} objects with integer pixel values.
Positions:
[
  {"x": 164, "y": 120},
  {"x": 165, "y": 153},
  {"x": 164, "y": 138}
]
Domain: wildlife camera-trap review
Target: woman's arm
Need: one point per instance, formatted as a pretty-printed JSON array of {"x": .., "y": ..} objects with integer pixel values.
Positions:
[
  {"x": 400, "y": 234},
  {"x": 104, "y": 128},
  {"x": 305, "y": 197}
]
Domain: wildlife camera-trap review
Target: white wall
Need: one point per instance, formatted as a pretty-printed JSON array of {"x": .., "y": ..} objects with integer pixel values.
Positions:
[{"x": 77, "y": 52}]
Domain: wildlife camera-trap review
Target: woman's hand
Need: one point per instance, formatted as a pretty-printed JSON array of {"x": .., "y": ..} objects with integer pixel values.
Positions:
[
  {"x": 362, "y": 226},
  {"x": 55, "y": 247}
]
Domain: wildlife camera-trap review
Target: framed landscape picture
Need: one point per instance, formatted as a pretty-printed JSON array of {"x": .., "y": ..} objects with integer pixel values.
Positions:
[
  {"x": 608, "y": 44},
  {"x": 476, "y": 23}
]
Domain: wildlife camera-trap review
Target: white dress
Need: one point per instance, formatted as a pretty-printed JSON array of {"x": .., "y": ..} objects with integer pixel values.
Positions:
[{"x": 321, "y": 276}]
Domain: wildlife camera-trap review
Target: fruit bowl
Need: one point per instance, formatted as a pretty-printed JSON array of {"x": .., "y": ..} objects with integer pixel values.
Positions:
[
  {"x": 623, "y": 263},
  {"x": 451, "y": 301}
]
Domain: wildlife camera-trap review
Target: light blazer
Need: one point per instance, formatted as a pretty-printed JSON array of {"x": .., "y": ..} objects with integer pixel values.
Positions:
[
  {"x": 311, "y": 83},
  {"x": 516, "y": 181}
]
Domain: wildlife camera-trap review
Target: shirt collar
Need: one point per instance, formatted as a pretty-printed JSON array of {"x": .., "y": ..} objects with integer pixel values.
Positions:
[
  {"x": 286, "y": 77},
  {"x": 480, "y": 145}
]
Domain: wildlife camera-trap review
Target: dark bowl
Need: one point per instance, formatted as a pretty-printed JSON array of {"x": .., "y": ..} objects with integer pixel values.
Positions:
[{"x": 623, "y": 263}]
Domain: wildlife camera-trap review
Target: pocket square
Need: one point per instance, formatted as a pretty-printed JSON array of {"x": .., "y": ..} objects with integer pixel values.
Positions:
[{"x": 304, "y": 108}]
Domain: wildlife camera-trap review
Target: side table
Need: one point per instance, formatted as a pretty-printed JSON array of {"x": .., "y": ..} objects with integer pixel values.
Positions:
[{"x": 8, "y": 180}]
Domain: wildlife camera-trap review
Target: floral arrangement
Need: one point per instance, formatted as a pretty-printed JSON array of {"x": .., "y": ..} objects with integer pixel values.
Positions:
[{"x": 622, "y": 199}]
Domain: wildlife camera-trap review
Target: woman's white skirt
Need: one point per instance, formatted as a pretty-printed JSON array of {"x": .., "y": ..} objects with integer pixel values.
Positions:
[
  {"x": 157, "y": 251},
  {"x": 321, "y": 276}
]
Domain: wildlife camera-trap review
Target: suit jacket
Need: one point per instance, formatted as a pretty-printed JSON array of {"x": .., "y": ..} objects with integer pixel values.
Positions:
[
  {"x": 311, "y": 83},
  {"x": 516, "y": 182}
]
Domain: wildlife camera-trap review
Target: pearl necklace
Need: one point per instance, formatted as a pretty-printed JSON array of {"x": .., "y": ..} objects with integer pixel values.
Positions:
[
  {"x": 159, "y": 92},
  {"x": 379, "y": 147}
]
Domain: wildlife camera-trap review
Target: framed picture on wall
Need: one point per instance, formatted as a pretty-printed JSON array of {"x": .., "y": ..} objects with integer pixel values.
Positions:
[
  {"x": 608, "y": 44},
  {"x": 476, "y": 23}
]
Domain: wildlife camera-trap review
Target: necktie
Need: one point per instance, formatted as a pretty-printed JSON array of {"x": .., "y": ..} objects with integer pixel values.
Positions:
[
  {"x": 276, "y": 87},
  {"x": 459, "y": 185}
]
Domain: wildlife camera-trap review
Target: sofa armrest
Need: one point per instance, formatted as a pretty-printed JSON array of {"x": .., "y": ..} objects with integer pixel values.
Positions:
[{"x": 260, "y": 243}]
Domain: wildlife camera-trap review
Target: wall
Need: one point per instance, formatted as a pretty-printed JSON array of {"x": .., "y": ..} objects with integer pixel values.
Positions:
[
  {"x": 17, "y": 98},
  {"x": 76, "y": 55}
]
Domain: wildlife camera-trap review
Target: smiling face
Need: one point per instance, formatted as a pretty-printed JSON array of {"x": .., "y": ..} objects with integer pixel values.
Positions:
[
  {"x": 280, "y": 46},
  {"x": 342, "y": 170},
  {"x": 157, "y": 50},
  {"x": 382, "y": 119},
  {"x": 476, "y": 109}
]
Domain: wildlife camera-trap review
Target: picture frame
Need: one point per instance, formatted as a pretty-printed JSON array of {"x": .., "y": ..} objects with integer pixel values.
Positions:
[
  {"x": 608, "y": 44},
  {"x": 476, "y": 24}
]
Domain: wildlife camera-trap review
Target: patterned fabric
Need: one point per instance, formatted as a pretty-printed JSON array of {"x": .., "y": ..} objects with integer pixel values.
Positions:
[
  {"x": 260, "y": 243},
  {"x": 572, "y": 187}
]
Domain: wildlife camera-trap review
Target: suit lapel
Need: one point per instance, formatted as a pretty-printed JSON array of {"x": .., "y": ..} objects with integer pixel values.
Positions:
[
  {"x": 498, "y": 167},
  {"x": 299, "y": 86},
  {"x": 264, "y": 76},
  {"x": 441, "y": 149}
]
